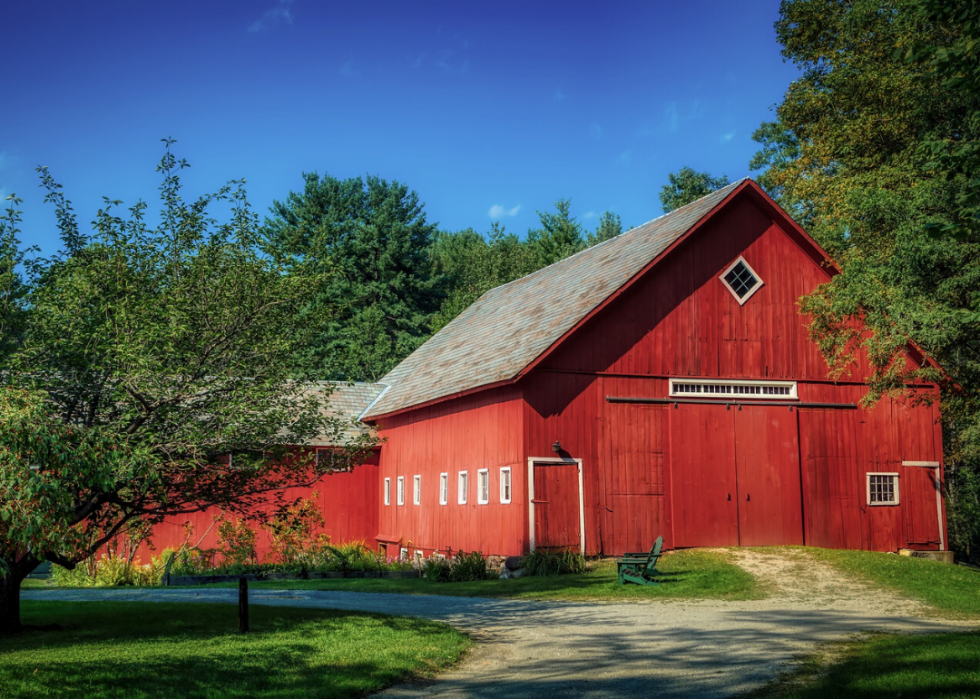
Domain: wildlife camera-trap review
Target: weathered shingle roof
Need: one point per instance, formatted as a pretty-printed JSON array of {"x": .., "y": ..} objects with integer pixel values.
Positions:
[
  {"x": 347, "y": 401},
  {"x": 510, "y": 326}
]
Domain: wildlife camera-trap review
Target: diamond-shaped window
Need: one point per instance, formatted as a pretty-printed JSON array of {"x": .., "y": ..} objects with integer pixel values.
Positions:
[{"x": 741, "y": 280}]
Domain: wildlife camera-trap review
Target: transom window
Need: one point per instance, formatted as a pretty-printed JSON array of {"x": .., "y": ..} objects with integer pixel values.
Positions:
[
  {"x": 882, "y": 488},
  {"x": 722, "y": 388},
  {"x": 741, "y": 280}
]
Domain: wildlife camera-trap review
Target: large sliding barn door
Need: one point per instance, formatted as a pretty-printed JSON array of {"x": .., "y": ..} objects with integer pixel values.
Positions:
[
  {"x": 767, "y": 463},
  {"x": 703, "y": 491},
  {"x": 735, "y": 475}
]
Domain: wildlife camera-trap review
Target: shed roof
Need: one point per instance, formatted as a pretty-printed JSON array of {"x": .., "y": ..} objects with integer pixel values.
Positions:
[
  {"x": 346, "y": 401},
  {"x": 510, "y": 326}
]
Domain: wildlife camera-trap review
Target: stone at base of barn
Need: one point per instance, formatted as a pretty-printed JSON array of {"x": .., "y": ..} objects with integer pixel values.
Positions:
[{"x": 941, "y": 556}]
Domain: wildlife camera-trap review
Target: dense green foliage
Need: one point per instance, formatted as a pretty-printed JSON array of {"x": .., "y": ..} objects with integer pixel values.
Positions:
[
  {"x": 462, "y": 567},
  {"x": 151, "y": 375},
  {"x": 119, "y": 649},
  {"x": 687, "y": 185},
  {"x": 547, "y": 562},
  {"x": 933, "y": 665},
  {"x": 874, "y": 151},
  {"x": 369, "y": 238}
]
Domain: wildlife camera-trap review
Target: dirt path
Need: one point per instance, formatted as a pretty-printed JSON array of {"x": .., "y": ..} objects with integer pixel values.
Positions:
[{"x": 672, "y": 649}]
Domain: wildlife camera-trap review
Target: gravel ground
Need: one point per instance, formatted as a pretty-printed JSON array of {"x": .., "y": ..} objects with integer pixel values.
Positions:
[{"x": 668, "y": 649}]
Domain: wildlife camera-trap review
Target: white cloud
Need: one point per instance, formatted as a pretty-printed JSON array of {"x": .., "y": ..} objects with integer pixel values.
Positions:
[
  {"x": 497, "y": 211},
  {"x": 280, "y": 12},
  {"x": 726, "y": 137},
  {"x": 675, "y": 115},
  {"x": 589, "y": 214}
]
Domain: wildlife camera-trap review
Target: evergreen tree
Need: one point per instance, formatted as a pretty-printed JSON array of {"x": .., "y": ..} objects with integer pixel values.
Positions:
[
  {"x": 376, "y": 305},
  {"x": 687, "y": 185},
  {"x": 560, "y": 234}
]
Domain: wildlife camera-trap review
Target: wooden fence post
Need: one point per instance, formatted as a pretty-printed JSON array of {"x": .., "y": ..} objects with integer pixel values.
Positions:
[{"x": 243, "y": 605}]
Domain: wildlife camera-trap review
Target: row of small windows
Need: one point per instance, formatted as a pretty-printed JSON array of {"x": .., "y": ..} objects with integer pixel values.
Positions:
[
  {"x": 462, "y": 488},
  {"x": 732, "y": 390}
]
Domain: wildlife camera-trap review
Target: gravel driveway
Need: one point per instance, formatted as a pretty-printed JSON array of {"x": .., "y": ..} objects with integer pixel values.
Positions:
[{"x": 561, "y": 649}]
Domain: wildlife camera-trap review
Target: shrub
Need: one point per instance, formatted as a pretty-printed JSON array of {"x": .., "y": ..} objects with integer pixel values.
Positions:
[
  {"x": 237, "y": 542},
  {"x": 545, "y": 562},
  {"x": 463, "y": 567},
  {"x": 109, "y": 571}
]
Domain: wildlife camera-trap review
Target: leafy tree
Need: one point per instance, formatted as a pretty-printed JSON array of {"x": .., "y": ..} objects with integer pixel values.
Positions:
[
  {"x": 610, "y": 225},
  {"x": 472, "y": 265},
  {"x": 151, "y": 378},
  {"x": 560, "y": 235},
  {"x": 879, "y": 133},
  {"x": 779, "y": 149},
  {"x": 376, "y": 304},
  {"x": 687, "y": 185}
]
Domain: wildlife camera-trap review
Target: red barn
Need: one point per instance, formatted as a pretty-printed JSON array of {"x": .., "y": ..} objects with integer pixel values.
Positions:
[{"x": 659, "y": 383}]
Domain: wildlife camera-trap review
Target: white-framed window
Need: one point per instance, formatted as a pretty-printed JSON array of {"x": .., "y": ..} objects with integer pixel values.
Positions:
[
  {"x": 483, "y": 486},
  {"x": 732, "y": 388},
  {"x": 443, "y": 488},
  {"x": 401, "y": 490},
  {"x": 417, "y": 490},
  {"x": 882, "y": 488},
  {"x": 387, "y": 491},
  {"x": 505, "y": 485},
  {"x": 741, "y": 280},
  {"x": 462, "y": 486}
]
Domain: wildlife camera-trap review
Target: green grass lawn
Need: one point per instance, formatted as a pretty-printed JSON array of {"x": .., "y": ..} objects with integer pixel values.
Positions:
[
  {"x": 119, "y": 649},
  {"x": 690, "y": 574},
  {"x": 937, "y": 665},
  {"x": 952, "y": 589}
]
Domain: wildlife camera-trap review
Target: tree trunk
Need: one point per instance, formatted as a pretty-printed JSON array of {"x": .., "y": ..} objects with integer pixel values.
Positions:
[{"x": 10, "y": 594}]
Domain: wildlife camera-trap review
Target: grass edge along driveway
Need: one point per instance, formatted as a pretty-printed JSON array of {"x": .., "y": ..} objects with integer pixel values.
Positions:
[{"x": 119, "y": 649}]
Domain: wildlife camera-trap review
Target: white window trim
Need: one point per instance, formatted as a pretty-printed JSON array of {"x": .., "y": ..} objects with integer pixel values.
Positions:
[
  {"x": 506, "y": 498},
  {"x": 417, "y": 490},
  {"x": 482, "y": 496},
  {"x": 387, "y": 491},
  {"x": 400, "y": 490},
  {"x": 729, "y": 268},
  {"x": 462, "y": 485},
  {"x": 443, "y": 488},
  {"x": 867, "y": 488},
  {"x": 674, "y": 392}
]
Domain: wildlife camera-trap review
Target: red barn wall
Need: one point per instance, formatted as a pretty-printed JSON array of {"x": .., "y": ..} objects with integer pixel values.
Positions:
[
  {"x": 681, "y": 321},
  {"x": 464, "y": 434},
  {"x": 346, "y": 501}
]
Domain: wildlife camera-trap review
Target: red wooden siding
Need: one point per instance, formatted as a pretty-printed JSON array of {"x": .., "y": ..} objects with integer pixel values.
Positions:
[
  {"x": 345, "y": 500},
  {"x": 466, "y": 434}
]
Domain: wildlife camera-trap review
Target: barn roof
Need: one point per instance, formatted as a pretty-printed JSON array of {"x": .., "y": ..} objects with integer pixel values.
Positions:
[
  {"x": 510, "y": 326},
  {"x": 347, "y": 401}
]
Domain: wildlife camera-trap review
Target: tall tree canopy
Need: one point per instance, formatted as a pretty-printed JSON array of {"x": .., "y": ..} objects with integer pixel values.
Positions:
[
  {"x": 150, "y": 377},
  {"x": 874, "y": 145},
  {"x": 376, "y": 304},
  {"x": 560, "y": 234},
  {"x": 610, "y": 225},
  {"x": 687, "y": 185}
]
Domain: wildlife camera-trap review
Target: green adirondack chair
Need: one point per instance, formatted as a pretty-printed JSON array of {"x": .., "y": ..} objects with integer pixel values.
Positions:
[{"x": 640, "y": 568}]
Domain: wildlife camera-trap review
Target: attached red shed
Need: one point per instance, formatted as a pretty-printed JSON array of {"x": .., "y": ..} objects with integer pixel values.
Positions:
[{"x": 659, "y": 383}]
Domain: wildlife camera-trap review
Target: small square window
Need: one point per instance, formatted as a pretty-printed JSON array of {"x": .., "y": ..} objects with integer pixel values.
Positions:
[
  {"x": 741, "y": 280},
  {"x": 463, "y": 486},
  {"x": 417, "y": 490},
  {"x": 443, "y": 488},
  {"x": 505, "y": 485},
  {"x": 483, "y": 486},
  {"x": 401, "y": 490},
  {"x": 882, "y": 489},
  {"x": 387, "y": 491}
]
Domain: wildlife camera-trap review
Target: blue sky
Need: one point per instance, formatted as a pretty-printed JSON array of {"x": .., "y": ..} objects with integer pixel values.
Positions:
[{"x": 487, "y": 110}]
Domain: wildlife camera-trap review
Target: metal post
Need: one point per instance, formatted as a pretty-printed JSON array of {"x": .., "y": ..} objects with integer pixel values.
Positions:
[{"x": 243, "y": 605}]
